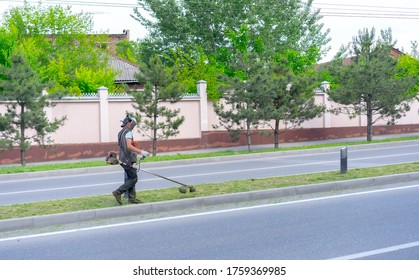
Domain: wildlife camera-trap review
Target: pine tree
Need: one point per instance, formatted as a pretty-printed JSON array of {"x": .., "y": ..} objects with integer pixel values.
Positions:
[
  {"x": 372, "y": 83},
  {"x": 25, "y": 120},
  {"x": 156, "y": 121},
  {"x": 290, "y": 97},
  {"x": 241, "y": 109}
]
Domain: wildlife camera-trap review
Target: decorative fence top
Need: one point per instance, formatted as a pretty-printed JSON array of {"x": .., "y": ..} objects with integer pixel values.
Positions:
[
  {"x": 83, "y": 96},
  {"x": 116, "y": 96}
]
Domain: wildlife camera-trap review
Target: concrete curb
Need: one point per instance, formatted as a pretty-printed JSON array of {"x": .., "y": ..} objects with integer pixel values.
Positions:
[{"x": 166, "y": 206}]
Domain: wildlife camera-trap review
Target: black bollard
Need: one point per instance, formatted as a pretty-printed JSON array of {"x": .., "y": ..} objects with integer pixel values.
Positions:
[{"x": 344, "y": 160}]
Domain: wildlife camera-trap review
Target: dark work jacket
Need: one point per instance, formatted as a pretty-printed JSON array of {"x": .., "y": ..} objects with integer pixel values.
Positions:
[{"x": 126, "y": 156}]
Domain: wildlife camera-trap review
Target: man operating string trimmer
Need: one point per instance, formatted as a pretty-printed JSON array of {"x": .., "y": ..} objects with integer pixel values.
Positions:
[
  {"x": 128, "y": 150},
  {"x": 127, "y": 158}
]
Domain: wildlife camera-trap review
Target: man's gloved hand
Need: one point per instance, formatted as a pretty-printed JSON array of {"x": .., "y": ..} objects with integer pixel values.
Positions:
[{"x": 144, "y": 154}]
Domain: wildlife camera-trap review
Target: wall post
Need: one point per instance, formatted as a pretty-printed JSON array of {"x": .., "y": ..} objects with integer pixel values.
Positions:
[
  {"x": 47, "y": 110},
  {"x": 104, "y": 114},
  {"x": 325, "y": 86},
  {"x": 203, "y": 104}
]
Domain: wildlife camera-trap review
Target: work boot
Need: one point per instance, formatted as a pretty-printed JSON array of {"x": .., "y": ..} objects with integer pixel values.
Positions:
[
  {"x": 134, "y": 201},
  {"x": 117, "y": 197}
]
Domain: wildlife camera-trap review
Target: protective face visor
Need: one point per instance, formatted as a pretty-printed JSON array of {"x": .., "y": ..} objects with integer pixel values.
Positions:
[
  {"x": 129, "y": 120},
  {"x": 132, "y": 122}
]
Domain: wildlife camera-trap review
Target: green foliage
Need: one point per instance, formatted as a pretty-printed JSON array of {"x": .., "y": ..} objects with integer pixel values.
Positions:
[
  {"x": 195, "y": 66},
  {"x": 89, "y": 80},
  {"x": 154, "y": 120},
  {"x": 299, "y": 62},
  {"x": 25, "y": 120},
  {"x": 241, "y": 47},
  {"x": 56, "y": 44},
  {"x": 264, "y": 88},
  {"x": 126, "y": 50},
  {"x": 373, "y": 84},
  {"x": 409, "y": 66},
  {"x": 7, "y": 43},
  {"x": 34, "y": 20},
  {"x": 290, "y": 24},
  {"x": 244, "y": 84},
  {"x": 291, "y": 91},
  {"x": 237, "y": 40}
]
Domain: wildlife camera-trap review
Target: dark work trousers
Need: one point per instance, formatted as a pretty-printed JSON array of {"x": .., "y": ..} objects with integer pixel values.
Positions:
[{"x": 131, "y": 179}]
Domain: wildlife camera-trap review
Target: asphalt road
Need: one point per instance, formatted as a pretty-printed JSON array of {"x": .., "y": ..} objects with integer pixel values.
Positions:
[
  {"x": 379, "y": 224},
  {"x": 58, "y": 185}
]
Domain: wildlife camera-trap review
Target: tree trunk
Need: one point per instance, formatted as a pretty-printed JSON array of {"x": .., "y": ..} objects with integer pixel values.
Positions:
[
  {"x": 155, "y": 135},
  {"x": 22, "y": 157},
  {"x": 369, "y": 120},
  {"x": 155, "y": 101},
  {"x": 22, "y": 135},
  {"x": 249, "y": 141}
]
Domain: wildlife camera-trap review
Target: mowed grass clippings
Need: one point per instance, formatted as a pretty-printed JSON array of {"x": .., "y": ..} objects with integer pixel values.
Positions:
[{"x": 149, "y": 196}]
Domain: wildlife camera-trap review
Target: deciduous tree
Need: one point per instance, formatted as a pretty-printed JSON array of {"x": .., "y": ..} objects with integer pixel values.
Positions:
[
  {"x": 59, "y": 46},
  {"x": 289, "y": 24}
]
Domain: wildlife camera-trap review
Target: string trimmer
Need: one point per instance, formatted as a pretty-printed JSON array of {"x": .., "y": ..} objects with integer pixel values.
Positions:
[{"x": 183, "y": 189}]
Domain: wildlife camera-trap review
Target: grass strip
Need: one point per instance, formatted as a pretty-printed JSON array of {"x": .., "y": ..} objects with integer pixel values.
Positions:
[
  {"x": 149, "y": 196},
  {"x": 95, "y": 163}
]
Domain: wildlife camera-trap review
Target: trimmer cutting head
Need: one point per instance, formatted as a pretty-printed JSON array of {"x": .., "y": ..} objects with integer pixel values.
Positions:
[{"x": 184, "y": 189}]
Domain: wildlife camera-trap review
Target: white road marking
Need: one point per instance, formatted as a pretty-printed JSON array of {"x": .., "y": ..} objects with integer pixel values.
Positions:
[
  {"x": 386, "y": 156},
  {"x": 256, "y": 158},
  {"x": 58, "y": 189},
  {"x": 199, "y": 175},
  {"x": 379, "y": 251},
  {"x": 202, "y": 174},
  {"x": 18, "y": 238}
]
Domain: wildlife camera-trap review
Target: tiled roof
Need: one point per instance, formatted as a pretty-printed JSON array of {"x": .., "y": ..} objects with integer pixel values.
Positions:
[
  {"x": 125, "y": 69},
  {"x": 347, "y": 60}
]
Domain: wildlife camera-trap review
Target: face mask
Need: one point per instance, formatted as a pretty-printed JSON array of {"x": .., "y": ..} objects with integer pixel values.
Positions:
[
  {"x": 131, "y": 120},
  {"x": 133, "y": 123}
]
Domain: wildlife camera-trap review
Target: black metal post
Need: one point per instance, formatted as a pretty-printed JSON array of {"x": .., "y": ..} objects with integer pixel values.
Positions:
[{"x": 344, "y": 160}]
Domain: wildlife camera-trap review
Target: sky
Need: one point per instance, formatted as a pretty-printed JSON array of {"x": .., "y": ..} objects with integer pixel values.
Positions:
[{"x": 344, "y": 18}]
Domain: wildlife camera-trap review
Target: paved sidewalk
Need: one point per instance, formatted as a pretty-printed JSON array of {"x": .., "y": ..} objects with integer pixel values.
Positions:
[
  {"x": 295, "y": 144},
  {"x": 5, "y": 177},
  {"x": 257, "y": 147}
]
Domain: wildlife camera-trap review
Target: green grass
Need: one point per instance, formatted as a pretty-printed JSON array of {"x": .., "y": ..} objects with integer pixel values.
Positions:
[{"x": 105, "y": 201}]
